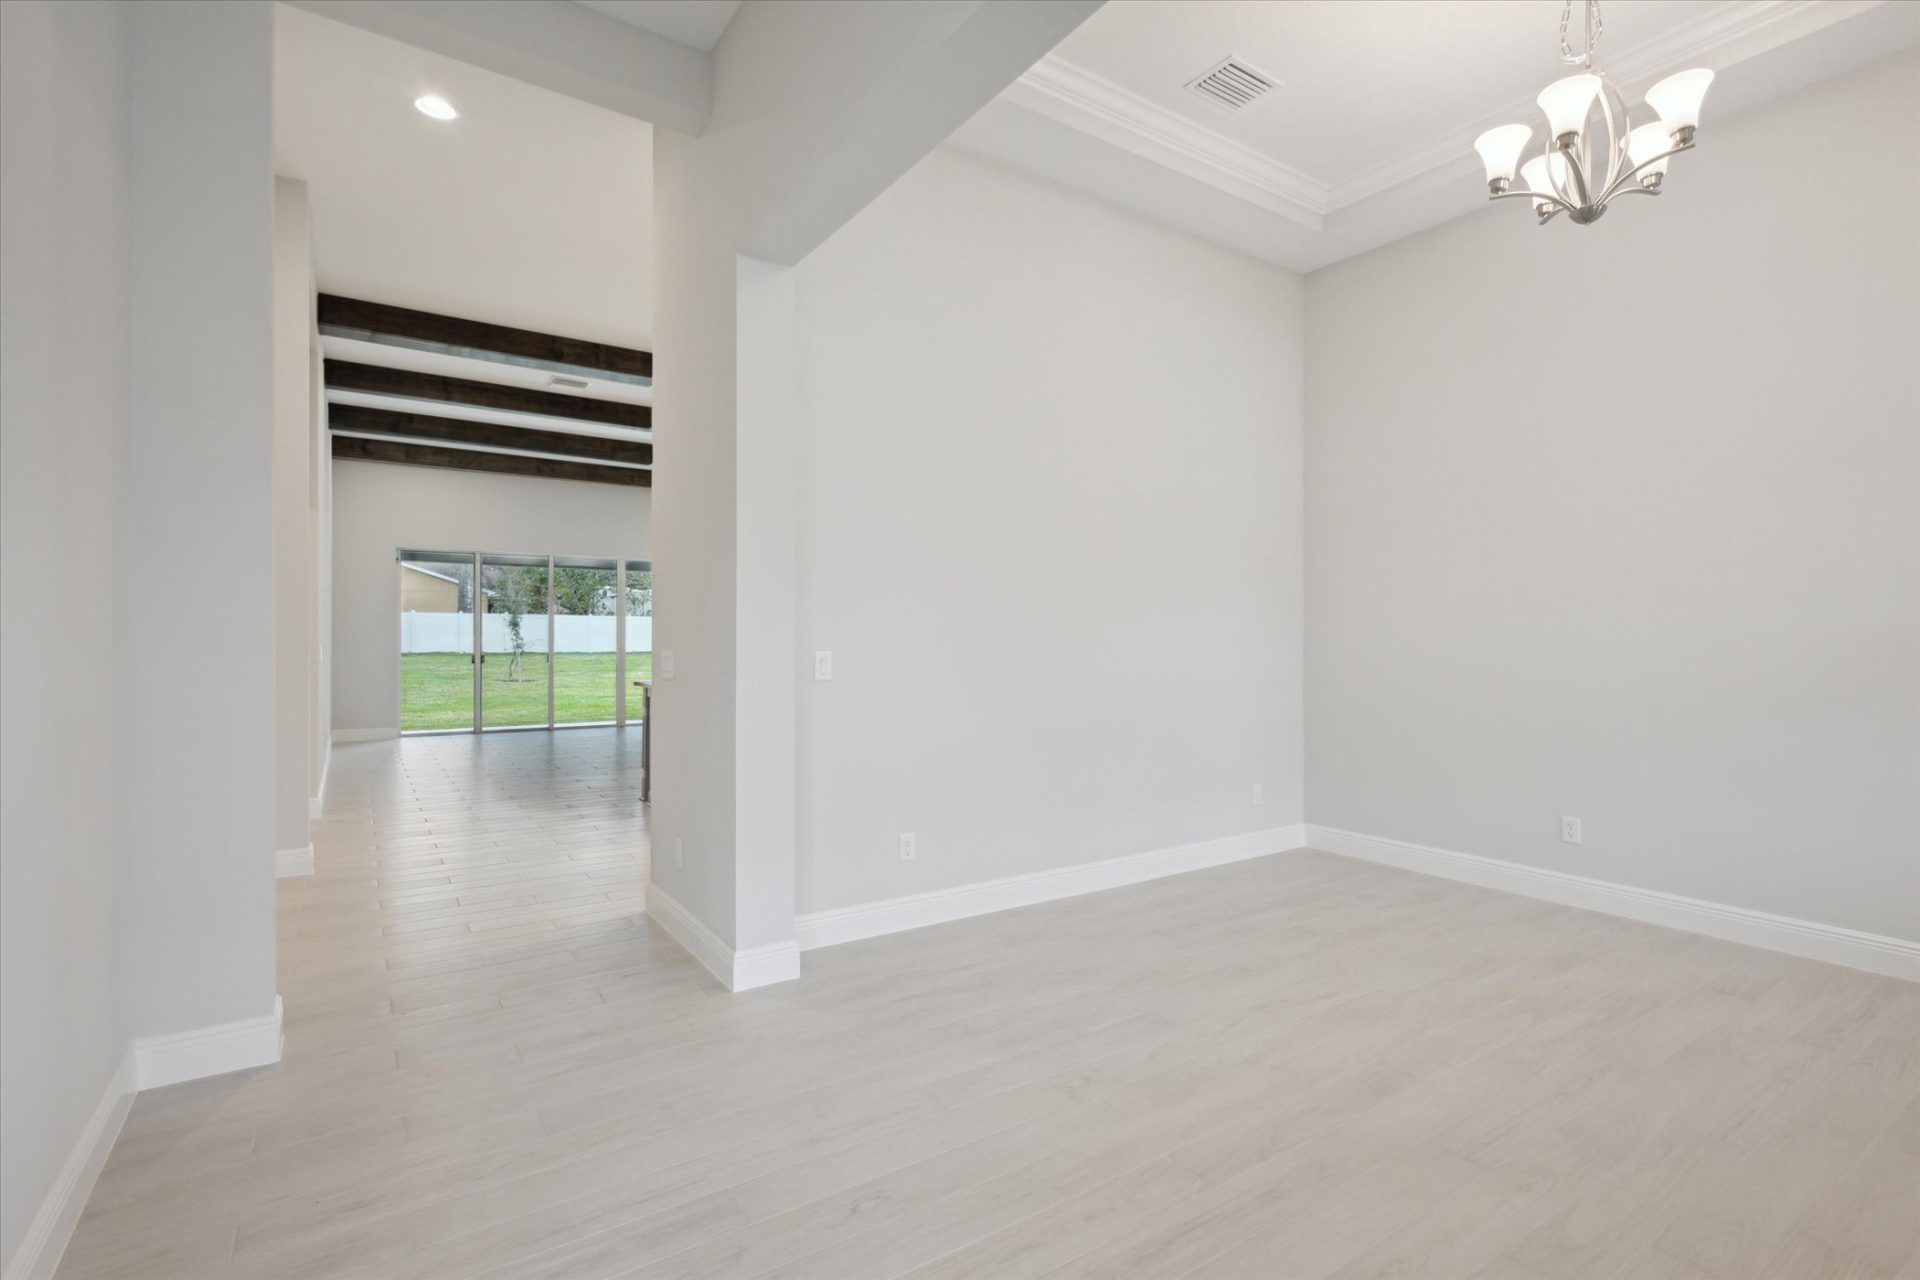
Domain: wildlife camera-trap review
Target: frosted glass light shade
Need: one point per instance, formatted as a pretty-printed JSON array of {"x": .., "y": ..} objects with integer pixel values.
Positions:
[
  {"x": 1567, "y": 102},
  {"x": 1644, "y": 143},
  {"x": 1500, "y": 150},
  {"x": 1534, "y": 177},
  {"x": 1678, "y": 98}
]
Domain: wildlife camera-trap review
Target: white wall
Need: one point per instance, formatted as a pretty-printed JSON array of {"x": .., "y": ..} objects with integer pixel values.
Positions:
[
  {"x": 192, "y": 730},
  {"x": 294, "y": 588},
  {"x": 1620, "y": 522},
  {"x": 63, "y": 1026},
  {"x": 1030, "y": 419},
  {"x": 320, "y": 478},
  {"x": 379, "y": 508},
  {"x": 693, "y": 576},
  {"x": 801, "y": 135}
]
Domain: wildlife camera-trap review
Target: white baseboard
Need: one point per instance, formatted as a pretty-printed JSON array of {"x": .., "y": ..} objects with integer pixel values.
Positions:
[
  {"x": 703, "y": 943},
  {"x": 208, "y": 1051},
  {"x": 293, "y": 862},
  {"x": 737, "y": 971},
  {"x": 317, "y": 802},
  {"x": 764, "y": 966},
  {"x": 149, "y": 1063},
  {"x": 1873, "y": 952},
  {"x": 364, "y": 735},
  {"x": 38, "y": 1253},
  {"x": 872, "y": 919}
]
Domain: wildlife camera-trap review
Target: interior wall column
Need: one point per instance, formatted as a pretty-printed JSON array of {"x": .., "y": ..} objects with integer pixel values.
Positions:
[
  {"x": 193, "y": 734},
  {"x": 294, "y": 584},
  {"x": 766, "y": 478}
]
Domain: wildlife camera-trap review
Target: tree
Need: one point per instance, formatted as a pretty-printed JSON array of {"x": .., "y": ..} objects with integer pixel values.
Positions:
[
  {"x": 640, "y": 593},
  {"x": 583, "y": 591},
  {"x": 517, "y": 590}
]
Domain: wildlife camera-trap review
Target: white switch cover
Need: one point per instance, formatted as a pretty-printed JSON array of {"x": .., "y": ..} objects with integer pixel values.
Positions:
[
  {"x": 1570, "y": 831},
  {"x": 663, "y": 661},
  {"x": 908, "y": 846},
  {"x": 823, "y": 664}
]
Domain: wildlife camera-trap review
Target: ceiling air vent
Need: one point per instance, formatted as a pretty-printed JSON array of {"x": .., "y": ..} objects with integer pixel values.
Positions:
[{"x": 1232, "y": 84}]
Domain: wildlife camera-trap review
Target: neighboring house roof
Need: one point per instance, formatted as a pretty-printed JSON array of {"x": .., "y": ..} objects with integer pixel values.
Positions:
[{"x": 430, "y": 573}]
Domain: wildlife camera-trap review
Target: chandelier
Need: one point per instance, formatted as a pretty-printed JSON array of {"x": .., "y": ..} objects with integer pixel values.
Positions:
[{"x": 1592, "y": 152}]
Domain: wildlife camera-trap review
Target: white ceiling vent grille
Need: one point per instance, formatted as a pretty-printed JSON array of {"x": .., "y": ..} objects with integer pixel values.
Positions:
[{"x": 1232, "y": 84}]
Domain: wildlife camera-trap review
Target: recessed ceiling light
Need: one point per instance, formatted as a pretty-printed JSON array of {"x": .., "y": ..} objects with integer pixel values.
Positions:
[{"x": 436, "y": 106}]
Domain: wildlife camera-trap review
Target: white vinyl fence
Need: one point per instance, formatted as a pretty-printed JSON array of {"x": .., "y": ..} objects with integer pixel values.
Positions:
[{"x": 453, "y": 633}]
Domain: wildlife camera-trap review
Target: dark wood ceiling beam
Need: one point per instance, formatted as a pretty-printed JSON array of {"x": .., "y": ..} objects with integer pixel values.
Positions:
[
  {"x": 457, "y": 431},
  {"x": 361, "y": 449},
  {"x": 373, "y": 379},
  {"x": 426, "y": 331}
]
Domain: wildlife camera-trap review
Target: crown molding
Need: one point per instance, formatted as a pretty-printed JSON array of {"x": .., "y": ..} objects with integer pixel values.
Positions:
[
  {"x": 1071, "y": 95},
  {"x": 1731, "y": 33},
  {"x": 1081, "y": 100}
]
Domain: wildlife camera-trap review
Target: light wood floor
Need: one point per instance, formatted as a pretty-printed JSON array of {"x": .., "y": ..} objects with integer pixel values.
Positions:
[{"x": 1301, "y": 1066}]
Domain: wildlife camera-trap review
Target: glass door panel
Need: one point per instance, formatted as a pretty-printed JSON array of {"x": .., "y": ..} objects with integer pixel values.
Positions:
[
  {"x": 585, "y": 600},
  {"x": 436, "y": 641},
  {"x": 515, "y": 671},
  {"x": 639, "y": 606}
]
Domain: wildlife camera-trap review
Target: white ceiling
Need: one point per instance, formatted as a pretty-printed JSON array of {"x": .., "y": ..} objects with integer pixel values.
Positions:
[
  {"x": 532, "y": 209},
  {"x": 1361, "y": 80},
  {"x": 697, "y": 23},
  {"x": 1369, "y": 136}
]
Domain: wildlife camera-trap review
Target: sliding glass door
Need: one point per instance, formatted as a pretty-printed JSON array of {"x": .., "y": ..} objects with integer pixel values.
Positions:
[
  {"x": 516, "y": 674},
  {"x": 586, "y": 655},
  {"x": 438, "y": 676},
  {"x": 639, "y": 636},
  {"x": 559, "y": 641}
]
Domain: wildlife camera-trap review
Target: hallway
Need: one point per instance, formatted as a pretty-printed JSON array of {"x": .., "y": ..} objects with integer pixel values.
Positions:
[{"x": 475, "y": 926}]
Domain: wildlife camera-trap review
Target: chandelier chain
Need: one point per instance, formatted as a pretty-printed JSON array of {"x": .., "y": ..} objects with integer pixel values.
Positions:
[{"x": 1594, "y": 27}]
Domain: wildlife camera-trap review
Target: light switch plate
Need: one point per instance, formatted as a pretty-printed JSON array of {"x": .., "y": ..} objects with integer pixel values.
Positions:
[{"x": 823, "y": 664}]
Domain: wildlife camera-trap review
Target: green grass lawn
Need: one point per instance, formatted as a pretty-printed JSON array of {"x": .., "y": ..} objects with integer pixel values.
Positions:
[{"x": 436, "y": 689}]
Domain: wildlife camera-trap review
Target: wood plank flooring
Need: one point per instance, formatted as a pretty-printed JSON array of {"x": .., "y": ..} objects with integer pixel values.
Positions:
[{"x": 1301, "y": 1066}]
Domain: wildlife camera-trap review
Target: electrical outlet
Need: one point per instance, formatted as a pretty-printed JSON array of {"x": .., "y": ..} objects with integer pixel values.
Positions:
[
  {"x": 1259, "y": 795},
  {"x": 1569, "y": 831},
  {"x": 679, "y": 852},
  {"x": 909, "y": 848},
  {"x": 663, "y": 664},
  {"x": 823, "y": 664}
]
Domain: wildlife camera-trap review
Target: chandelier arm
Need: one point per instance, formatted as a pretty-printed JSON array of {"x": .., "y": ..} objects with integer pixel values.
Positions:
[
  {"x": 1615, "y": 142},
  {"x": 1559, "y": 204},
  {"x": 1622, "y": 180},
  {"x": 1575, "y": 175}
]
